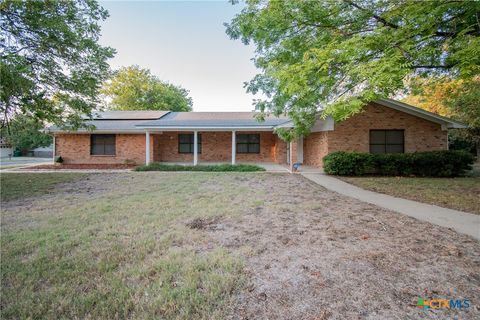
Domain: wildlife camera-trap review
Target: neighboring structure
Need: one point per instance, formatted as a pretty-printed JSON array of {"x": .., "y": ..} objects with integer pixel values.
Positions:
[
  {"x": 161, "y": 136},
  {"x": 6, "y": 149},
  {"x": 43, "y": 152}
]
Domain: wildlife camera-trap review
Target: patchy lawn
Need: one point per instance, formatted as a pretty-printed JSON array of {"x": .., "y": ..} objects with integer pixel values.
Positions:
[
  {"x": 455, "y": 193},
  {"x": 224, "y": 245},
  {"x": 17, "y": 186},
  {"x": 155, "y": 166}
]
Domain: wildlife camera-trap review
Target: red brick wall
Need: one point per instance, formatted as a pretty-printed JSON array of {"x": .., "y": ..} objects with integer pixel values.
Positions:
[
  {"x": 75, "y": 149},
  {"x": 280, "y": 152},
  {"x": 216, "y": 146},
  {"x": 353, "y": 134},
  {"x": 166, "y": 148},
  {"x": 315, "y": 147}
]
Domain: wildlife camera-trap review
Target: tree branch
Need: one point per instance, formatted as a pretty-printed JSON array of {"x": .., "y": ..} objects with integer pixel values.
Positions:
[
  {"x": 376, "y": 17},
  {"x": 447, "y": 66}
]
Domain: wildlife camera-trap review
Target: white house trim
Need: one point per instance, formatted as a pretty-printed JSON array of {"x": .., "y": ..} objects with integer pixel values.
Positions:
[
  {"x": 147, "y": 148},
  {"x": 234, "y": 146},
  {"x": 300, "y": 150},
  {"x": 211, "y": 128},
  {"x": 195, "y": 148},
  {"x": 54, "y": 148},
  {"x": 327, "y": 124}
]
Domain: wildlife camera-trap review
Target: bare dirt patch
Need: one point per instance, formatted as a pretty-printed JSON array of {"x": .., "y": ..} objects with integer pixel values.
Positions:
[
  {"x": 314, "y": 254},
  {"x": 204, "y": 223}
]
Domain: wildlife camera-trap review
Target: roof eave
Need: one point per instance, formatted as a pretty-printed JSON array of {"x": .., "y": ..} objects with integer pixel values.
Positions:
[
  {"x": 288, "y": 124},
  {"x": 208, "y": 128}
]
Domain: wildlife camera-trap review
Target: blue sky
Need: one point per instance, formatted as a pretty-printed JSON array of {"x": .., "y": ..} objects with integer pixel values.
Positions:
[{"x": 183, "y": 43}]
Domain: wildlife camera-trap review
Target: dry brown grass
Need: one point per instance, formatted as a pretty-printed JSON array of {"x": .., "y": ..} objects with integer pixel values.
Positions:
[
  {"x": 225, "y": 245},
  {"x": 454, "y": 193}
]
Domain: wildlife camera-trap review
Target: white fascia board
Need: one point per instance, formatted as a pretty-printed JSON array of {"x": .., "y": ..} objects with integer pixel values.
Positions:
[
  {"x": 269, "y": 128},
  {"x": 406, "y": 108},
  {"x": 327, "y": 124},
  {"x": 288, "y": 124}
]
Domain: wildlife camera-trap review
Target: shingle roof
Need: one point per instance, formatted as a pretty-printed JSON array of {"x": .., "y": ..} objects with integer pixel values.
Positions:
[
  {"x": 213, "y": 120},
  {"x": 137, "y": 121}
]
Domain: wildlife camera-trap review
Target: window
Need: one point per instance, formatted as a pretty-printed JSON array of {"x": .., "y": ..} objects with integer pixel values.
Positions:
[
  {"x": 102, "y": 144},
  {"x": 248, "y": 143},
  {"x": 387, "y": 141},
  {"x": 185, "y": 143}
]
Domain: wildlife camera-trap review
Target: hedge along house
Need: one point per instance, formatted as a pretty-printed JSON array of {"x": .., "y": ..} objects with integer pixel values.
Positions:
[{"x": 137, "y": 137}]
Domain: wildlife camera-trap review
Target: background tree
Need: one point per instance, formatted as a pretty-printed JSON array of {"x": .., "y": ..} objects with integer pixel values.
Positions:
[
  {"x": 431, "y": 94},
  {"x": 459, "y": 99},
  {"x": 336, "y": 56},
  {"x": 26, "y": 133},
  {"x": 51, "y": 64},
  {"x": 134, "y": 88}
]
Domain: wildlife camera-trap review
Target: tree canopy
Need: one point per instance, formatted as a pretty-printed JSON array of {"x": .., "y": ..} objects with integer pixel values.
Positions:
[
  {"x": 51, "y": 64},
  {"x": 335, "y": 56},
  {"x": 134, "y": 88},
  {"x": 25, "y": 133}
]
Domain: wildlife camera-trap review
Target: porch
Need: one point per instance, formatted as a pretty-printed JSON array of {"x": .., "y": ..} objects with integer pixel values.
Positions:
[{"x": 201, "y": 147}]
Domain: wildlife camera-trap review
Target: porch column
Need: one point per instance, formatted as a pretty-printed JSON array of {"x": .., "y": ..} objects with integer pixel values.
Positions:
[
  {"x": 234, "y": 146},
  {"x": 195, "y": 148},
  {"x": 147, "y": 148},
  {"x": 54, "y": 148},
  {"x": 300, "y": 150}
]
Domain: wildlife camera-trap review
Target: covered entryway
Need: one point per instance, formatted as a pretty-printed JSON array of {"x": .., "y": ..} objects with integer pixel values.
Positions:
[{"x": 209, "y": 146}]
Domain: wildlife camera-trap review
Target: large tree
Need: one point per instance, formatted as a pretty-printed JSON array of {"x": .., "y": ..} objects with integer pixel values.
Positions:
[
  {"x": 51, "y": 64},
  {"x": 135, "y": 88},
  {"x": 335, "y": 56}
]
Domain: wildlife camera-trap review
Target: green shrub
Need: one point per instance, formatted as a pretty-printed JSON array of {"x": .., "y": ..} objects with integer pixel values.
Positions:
[
  {"x": 211, "y": 168},
  {"x": 348, "y": 163},
  {"x": 424, "y": 164},
  {"x": 58, "y": 159}
]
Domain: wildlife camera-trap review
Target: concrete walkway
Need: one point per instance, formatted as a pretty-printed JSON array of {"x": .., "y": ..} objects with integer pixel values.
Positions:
[{"x": 462, "y": 222}]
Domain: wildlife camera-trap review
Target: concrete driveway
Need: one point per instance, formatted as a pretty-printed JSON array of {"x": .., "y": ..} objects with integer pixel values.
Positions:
[{"x": 23, "y": 161}]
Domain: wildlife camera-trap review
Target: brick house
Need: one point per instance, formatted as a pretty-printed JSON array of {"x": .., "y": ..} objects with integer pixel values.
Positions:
[{"x": 141, "y": 137}]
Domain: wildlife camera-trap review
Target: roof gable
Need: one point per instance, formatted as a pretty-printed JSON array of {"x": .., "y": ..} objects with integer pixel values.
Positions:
[{"x": 430, "y": 116}]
